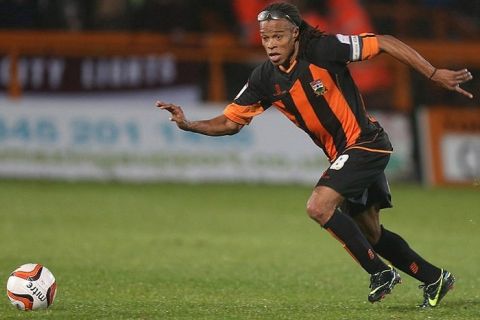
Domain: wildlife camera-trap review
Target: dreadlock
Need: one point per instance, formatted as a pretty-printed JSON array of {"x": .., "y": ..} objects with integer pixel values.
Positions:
[{"x": 307, "y": 32}]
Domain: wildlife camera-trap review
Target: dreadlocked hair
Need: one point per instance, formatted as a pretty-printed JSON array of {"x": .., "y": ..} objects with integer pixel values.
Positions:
[{"x": 306, "y": 31}]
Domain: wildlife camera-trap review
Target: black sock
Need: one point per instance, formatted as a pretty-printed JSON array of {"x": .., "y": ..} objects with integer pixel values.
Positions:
[
  {"x": 345, "y": 230},
  {"x": 395, "y": 249}
]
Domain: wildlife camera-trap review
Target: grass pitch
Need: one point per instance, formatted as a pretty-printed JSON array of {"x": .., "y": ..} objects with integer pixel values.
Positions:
[{"x": 176, "y": 251}]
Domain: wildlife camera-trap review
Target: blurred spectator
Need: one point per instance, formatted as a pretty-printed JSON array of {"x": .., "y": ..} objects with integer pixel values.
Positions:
[
  {"x": 110, "y": 15},
  {"x": 349, "y": 17},
  {"x": 216, "y": 16},
  {"x": 246, "y": 13},
  {"x": 455, "y": 19},
  {"x": 72, "y": 11},
  {"x": 51, "y": 14},
  {"x": 162, "y": 15},
  {"x": 316, "y": 13},
  {"x": 447, "y": 19},
  {"x": 18, "y": 14},
  {"x": 169, "y": 16},
  {"x": 43, "y": 14}
]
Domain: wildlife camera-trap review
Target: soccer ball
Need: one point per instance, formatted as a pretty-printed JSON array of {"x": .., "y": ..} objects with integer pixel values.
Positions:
[{"x": 31, "y": 287}]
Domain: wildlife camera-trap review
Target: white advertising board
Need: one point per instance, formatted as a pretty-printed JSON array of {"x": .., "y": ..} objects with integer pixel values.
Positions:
[
  {"x": 119, "y": 139},
  {"x": 450, "y": 145},
  {"x": 461, "y": 157}
]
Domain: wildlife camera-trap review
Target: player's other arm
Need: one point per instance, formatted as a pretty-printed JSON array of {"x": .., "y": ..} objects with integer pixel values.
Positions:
[
  {"x": 218, "y": 126},
  {"x": 448, "y": 79}
]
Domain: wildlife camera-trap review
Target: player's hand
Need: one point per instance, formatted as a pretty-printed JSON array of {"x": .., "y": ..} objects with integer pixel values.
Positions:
[
  {"x": 176, "y": 113},
  {"x": 453, "y": 79}
]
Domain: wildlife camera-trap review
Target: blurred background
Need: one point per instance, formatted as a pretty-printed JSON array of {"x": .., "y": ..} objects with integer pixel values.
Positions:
[{"x": 79, "y": 80}]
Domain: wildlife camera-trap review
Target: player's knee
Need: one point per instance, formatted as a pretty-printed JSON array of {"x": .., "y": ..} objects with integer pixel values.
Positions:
[
  {"x": 322, "y": 204},
  {"x": 319, "y": 213}
]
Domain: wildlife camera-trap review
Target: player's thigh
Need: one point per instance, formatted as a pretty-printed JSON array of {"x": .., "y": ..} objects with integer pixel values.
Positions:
[{"x": 354, "y": 171}]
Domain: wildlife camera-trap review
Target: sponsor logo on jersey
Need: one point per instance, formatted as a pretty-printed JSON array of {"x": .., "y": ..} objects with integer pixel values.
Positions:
[{"x": 278, "y": 90}]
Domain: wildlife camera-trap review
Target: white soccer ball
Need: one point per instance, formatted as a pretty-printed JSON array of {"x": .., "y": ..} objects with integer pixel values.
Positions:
[{"x": 31, "y": 287}]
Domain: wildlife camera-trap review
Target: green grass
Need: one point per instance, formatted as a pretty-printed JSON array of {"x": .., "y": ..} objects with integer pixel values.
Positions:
[{"x": 175, "y": 251}]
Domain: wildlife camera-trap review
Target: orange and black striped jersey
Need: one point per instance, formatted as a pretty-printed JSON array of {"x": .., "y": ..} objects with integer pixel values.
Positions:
[{"x": 317, "y": 93}]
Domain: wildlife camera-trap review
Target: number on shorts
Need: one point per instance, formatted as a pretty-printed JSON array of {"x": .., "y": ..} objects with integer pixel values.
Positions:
[{"x": 340, "y": 162}]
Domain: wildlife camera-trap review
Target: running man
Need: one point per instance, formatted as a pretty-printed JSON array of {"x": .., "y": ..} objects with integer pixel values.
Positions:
[{"x": 307, "y": 79}]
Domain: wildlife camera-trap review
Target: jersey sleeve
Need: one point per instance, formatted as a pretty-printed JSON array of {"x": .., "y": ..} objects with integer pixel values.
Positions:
[
  {"x": 249, "y": 102},
  {"x": 242, "y": 114},
  {"x": 346, "y": 48}
]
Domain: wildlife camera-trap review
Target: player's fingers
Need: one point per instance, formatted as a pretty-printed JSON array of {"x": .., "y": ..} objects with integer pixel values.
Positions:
[
  {"x": 164, "y": 105},
  {"x": 160, "y": 104},
  {"x": 463, "y": 75},
  {"x": 464, "y": 92},
  {"x": 462, "y": 79},
  {"x": 168, "y": 107}
]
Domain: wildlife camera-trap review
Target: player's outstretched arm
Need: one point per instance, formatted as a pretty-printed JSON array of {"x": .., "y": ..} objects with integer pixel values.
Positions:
[
  {"x": 449, "y": 79},
  {"x": 218, "y": 126}
]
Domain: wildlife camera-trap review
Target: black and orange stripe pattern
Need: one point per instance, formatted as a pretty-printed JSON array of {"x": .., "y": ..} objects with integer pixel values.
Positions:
[
  {"x": 317, "y": 94},
  {"x": 327, "y": 118}
]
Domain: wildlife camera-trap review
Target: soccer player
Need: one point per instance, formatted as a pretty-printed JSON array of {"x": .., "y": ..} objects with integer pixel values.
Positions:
[{"x": 307, "y": 79}]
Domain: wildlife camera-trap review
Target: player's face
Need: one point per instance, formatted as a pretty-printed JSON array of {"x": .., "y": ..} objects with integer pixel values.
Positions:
[{"x": 278, "y": 39}]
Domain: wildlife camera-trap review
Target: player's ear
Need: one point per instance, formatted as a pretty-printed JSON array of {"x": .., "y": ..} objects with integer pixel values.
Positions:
[{"x": 296, "y": 33}]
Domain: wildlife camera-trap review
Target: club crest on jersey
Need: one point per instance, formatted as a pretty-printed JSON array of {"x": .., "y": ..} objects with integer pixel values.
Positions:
[{"x": 318, "y": 87}]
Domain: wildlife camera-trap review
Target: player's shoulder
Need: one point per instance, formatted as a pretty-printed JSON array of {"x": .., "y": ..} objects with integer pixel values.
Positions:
[
  {"x": 256, "y": 87},
  {"x": 323, "y": 42},
  {"x": 261, "y": 72},
  {"x": 321, "y": 46}
]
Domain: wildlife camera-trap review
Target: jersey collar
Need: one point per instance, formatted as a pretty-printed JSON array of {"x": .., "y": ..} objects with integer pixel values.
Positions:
[{"x": 292, "y": 65}]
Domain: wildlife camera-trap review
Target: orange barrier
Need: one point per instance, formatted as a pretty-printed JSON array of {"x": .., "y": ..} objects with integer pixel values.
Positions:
[{"x": 215, "y": 50}]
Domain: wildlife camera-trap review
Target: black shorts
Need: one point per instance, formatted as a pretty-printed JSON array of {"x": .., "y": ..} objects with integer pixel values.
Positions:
[{"x": 358, "y": 175}]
